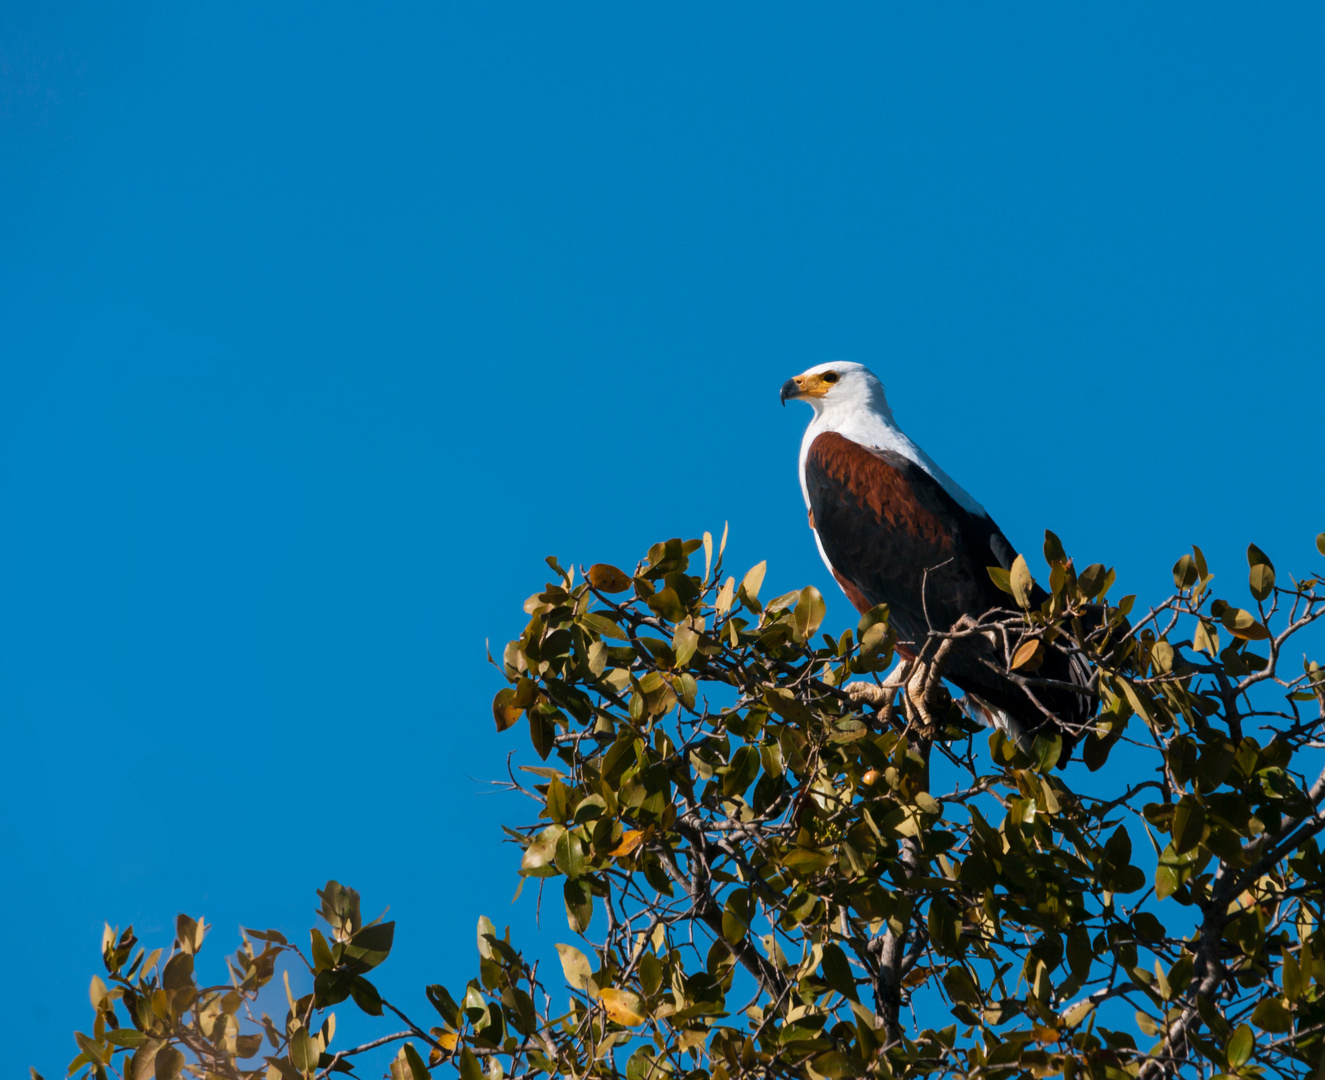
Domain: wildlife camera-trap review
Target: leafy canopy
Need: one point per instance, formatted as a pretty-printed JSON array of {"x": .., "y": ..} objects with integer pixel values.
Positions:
[{"x": 772, "y": 862}]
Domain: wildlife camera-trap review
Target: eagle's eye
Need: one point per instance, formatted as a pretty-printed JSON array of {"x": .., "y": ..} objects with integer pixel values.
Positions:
[{"x": 830, "y": 376}]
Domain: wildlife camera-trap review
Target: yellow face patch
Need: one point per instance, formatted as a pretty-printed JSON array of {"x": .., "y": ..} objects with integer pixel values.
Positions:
[{"x": 815, "y": 385}]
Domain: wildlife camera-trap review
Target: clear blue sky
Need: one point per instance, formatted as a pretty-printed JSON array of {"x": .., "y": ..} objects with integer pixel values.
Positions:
[{"x": 321, "y": 324}]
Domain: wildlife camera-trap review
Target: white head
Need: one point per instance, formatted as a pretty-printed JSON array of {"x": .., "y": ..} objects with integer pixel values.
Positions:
[
  {"x": 848, "y": 398},
  {"x": 836, "y": 390}
]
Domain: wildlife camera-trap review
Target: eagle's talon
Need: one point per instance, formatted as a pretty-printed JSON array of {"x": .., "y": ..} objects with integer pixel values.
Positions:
[{"x": 869, "y": 693}]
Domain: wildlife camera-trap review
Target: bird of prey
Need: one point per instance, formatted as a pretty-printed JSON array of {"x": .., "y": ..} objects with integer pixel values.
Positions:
[{"x": 895, "y": 529}]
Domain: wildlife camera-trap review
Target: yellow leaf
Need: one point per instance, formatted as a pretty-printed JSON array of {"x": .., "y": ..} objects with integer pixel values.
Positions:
[
  {"x": 1205, "y": 637},
  {"x": 754, "y": 579},
  {"x": 504, "y": 711},
  {"x": 1077, "y": 1013},
  {"x": 607, "y": 578},
  {"x": 622, "y": 1006},
  {"x": 1134, "y": 699},
  {"x": 725, "y": 595},
  {"x": 575, "y": 966},
  {"x": 1029, "y": 656},
  {"x": 630, "y": 840},
  {"x": 1243, "y": 624},
  {"x": 1021, "y": 581},
  {"x": 1051, "y": 802},
  {"x": 448, "y": 1040}
]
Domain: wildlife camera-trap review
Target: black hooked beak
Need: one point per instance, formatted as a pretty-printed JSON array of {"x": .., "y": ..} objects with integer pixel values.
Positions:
[{"x": 789, "y": 390}]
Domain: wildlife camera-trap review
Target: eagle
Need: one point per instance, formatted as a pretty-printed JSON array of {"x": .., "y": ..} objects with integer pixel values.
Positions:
[{"x": 893, "y": 528}]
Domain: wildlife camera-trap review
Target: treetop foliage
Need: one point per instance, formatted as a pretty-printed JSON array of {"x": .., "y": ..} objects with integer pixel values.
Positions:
[{"x": 773, "y": 860}]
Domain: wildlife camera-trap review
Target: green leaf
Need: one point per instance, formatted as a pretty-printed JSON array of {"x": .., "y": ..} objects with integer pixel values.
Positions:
[
  {"x": 737, "y": 912},
  {"x": 95, "y": 1051},
  {"x": 786, "y": 706},
  {"x": 961, "y": 987},
  {"x": 945, "y": 927},
  {"x": 1047, "y": 749},
  {"x": 1053, "y": 549},
  {"x": 187, "y": 933},
  {"x": 833, "y": 1064},
  {"x": 1174, "y": 869},
  {"x": 837, "y": 972},
  {"x": 542, "y": 732},
  {"x": 365, "y": 995},
  {"x": 575, "y": 966},
  {"x": 1166, "y": 881},
  {"x": 167, "y": 1063},
  {"x": 445, "y": 1005},
  {"x": 127, "y": 1037},
  {"x": 1184, "y": 573},
  {"x": 539, "y": 856},
  {"x": 1001, "y": 578},
  {"x": 178, "y": 972},
  {"x": 371, "y": 945},
  {"x": 667, "y": 603},
  {"x": 1141, "y": 706},
  {"x": 1213, "y": 1018},
  {"x": 569, "y": 856},
  {"x": 1270, "y": 1015},
  {"x": 1240, "y": 1046},
  {"x": 303, "y": 1054},
  {"x": 810, "y": 611},
  {"x": 806, "y": 861},
  {"x": 483, "y": 933},
  {"x": 1188, "y": 824},
  {"x": 1294, "y": 982},
  {"x": 579, "y": 905},
  {"x": 1262, "y": 572},
  {"x": 602, "y": 626},
  {"x": 470, "y": 1069},
  {"x": 684, "y": 643},
  {"x": 876, "y": 615},
  {"x": 418, "y": 1070},
  {"x": 1320, "y": 543},
  {"x": 322, "y": 956},
  {"x": 141, "y": 1065},
  {"x": 753, "y": 580}
]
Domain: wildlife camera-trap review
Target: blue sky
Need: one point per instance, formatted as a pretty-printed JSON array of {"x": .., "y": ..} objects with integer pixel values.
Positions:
[{"x": 321, "y": 326}]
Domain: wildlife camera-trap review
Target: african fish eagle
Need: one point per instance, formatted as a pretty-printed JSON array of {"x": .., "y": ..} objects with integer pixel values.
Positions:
[{"x": 883, "y": 514}]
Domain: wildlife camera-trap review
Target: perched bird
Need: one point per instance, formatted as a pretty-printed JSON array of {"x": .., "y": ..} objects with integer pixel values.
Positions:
[{"x": 883, "y": 515}]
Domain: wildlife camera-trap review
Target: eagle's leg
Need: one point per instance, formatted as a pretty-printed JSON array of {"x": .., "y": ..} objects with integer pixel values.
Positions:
[
  {"x": 881, "y": 696},
  {"x": 918, "y": 700},
  {"x": 925, "y": 694}
]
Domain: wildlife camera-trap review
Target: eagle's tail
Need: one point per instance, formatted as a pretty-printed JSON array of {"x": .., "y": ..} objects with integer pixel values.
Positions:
[{"x": 1004, "y": 721}]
